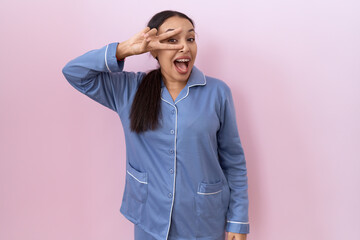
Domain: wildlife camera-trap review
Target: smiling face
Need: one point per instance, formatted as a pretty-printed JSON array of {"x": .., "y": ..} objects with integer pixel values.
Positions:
[{"x": 176, "y": 65}]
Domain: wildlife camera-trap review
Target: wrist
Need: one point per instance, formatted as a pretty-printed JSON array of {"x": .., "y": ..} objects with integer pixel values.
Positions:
[{"x": 122, "y": 51}]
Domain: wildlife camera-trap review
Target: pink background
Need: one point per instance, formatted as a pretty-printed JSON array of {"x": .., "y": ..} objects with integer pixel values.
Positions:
[{"x": 294, "y": 70}]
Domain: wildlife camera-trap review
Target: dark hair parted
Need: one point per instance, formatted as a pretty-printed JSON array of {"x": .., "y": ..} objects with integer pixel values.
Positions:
[{"x": 145, "y": 109}]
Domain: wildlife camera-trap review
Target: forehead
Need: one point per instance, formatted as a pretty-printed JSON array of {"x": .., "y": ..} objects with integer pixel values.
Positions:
[{"x": 176, "y": 22}]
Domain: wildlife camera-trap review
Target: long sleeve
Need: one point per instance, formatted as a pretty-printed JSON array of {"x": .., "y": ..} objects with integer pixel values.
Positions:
[
  {"x": 100, "y": 76},
  {"x": 232, "y": 161}
]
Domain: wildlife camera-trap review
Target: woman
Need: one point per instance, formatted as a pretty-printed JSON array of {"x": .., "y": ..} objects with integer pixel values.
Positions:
[{"x": 186, "y": 172}]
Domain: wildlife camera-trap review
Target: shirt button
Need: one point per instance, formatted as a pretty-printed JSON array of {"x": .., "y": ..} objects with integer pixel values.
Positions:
[
  {"x": 173, "y": 111},
  {"x": 170, "y": 195},
  {"x": 171, "y": 151},
  {"x": 172, "y": 131},
  {"x": 171, "y": 171}
]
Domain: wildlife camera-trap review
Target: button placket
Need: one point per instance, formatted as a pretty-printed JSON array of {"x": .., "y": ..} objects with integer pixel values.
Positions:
[{"x": 172, "y": 154}]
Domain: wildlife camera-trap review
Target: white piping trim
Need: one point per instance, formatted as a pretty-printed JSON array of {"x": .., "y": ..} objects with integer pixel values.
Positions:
[
  {"x": 135, "y": 177},
  {"x": 188, "y": 90},
  {"x": 173, "y": 194},
  {"x": 209, "y": 193},
  {"x": 105, "y": 58},
  {"x": 167, "y": 102},
  {"x": 238, "y": 222}
]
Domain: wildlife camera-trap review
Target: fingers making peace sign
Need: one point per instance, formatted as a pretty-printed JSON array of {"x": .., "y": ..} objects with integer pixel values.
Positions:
[{"x": 145, "y": 41}]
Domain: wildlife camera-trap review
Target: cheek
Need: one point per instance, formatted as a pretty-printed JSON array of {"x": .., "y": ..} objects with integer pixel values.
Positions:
[
  {"x": 165, "y": 62},
  {"x": 194, "y": 50},
  {"x": 166, "y": 57}
]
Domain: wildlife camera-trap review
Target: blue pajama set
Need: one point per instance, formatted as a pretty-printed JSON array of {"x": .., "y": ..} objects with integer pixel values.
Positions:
[{"x": 186, "y": 180}]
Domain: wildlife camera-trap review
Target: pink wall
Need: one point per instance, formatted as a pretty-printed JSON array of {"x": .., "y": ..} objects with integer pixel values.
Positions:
[{"x": 294, "y": 70}]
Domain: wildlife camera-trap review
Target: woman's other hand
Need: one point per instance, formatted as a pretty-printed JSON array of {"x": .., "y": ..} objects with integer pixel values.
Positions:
[
  {"x": 145, "y": 41},
  {"x": 236, "y": 236}
]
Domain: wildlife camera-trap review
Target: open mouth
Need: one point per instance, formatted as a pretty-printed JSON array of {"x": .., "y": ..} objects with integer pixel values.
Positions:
[{"x": 182, "y": 65}]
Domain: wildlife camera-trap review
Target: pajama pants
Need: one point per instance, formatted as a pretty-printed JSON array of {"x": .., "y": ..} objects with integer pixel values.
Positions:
[{"x": 140, "y": 234}]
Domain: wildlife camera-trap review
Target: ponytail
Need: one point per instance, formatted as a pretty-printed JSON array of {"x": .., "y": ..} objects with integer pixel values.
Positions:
[{"x": 145, "y": 108}]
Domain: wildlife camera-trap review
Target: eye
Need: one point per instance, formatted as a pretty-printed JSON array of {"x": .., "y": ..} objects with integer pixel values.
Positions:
[
  {"x": 172, "y": 40},
  {"x": 191, "y": 39}
]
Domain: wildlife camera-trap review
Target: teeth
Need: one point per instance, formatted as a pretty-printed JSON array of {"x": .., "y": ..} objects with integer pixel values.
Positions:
[{"x": 183, "y": 60}]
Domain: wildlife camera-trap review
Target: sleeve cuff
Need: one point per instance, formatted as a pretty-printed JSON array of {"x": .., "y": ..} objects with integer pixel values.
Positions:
[
  {"x": 111, "y": 62},
  {"x": 238, "y": 227}
]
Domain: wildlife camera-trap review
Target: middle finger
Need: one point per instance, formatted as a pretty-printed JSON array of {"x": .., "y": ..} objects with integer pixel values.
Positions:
[{"x": 152, "y": 32}]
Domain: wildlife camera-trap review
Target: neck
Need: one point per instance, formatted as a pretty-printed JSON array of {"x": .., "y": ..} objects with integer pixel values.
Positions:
[{"x": 174, "y": 84}]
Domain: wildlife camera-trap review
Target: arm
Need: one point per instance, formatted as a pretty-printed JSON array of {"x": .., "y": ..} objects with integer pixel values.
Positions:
[
  {"x": 99, "y": 75},
  {"x": 232, "y": 161}
]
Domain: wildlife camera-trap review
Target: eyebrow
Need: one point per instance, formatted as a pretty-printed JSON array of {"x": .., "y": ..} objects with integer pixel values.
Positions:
[{"x": 171, "y": 29}]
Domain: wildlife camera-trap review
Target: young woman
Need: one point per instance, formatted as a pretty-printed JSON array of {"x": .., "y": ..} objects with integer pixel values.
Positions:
[{"x": 186, "y": 175}]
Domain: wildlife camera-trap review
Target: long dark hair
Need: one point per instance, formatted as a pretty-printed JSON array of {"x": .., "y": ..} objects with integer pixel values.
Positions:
[{"x": 145, "y": 108}]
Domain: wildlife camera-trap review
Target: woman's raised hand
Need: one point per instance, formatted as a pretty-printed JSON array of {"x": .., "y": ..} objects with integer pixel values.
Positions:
[{"x": 145, "y": 41}]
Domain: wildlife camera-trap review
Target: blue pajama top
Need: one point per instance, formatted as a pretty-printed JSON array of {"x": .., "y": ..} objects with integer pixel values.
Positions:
[{"x": 188, "y": 178}]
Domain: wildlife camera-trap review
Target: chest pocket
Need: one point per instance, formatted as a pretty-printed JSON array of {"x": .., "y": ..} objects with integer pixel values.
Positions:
[
  {"x": 209, "y": 209},
  {"x": 136, "y": 192}
]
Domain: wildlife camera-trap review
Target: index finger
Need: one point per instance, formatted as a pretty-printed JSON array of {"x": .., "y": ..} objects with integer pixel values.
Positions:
[
  {"x": 169, "y": 46},
  {"x": 169, "y": 33}
]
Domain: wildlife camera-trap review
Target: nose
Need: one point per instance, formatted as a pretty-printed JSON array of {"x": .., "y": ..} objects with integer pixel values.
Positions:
[{"x": 185, "y": 48}]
